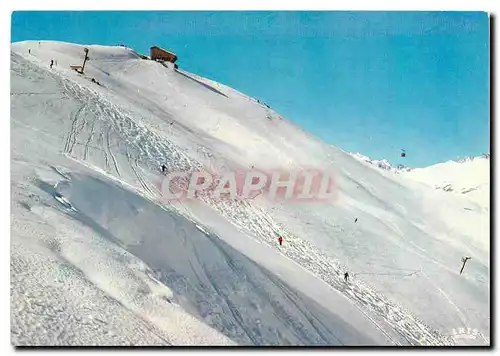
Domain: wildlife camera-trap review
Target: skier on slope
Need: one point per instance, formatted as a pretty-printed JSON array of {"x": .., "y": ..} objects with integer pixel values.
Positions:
[
  {"x": 346, "y": 276},
  {"x": 163, "y": 169},
  {"x": 280, "y": 240},
  {"x": 51, "y": 63}
]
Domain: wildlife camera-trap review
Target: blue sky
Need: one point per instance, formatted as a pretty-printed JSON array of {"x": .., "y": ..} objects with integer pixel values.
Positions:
[{"x": 369, "y": 82}]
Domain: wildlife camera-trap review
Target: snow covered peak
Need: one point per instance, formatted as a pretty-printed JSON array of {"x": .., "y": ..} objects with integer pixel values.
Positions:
[
  {"x": 382, "y": 163},
  {"x": 485, "y": 156},
  {"x": 470, "y": 176}
]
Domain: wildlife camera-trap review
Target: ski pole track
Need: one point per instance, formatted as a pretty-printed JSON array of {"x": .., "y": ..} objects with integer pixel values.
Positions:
[
  {"x": 227, "y": 302},
  {"x": 115, "y": 164},
  {"x": 311, "y": 318},
  {"x": 104, "y": 151},
  {"x": 135, "y": 167},
  {"x": 87, "y": 143},
  {"x": 461, "y": 316},
  {"x": 71, "y": 137},
  {"x": 153, "y": 149}
]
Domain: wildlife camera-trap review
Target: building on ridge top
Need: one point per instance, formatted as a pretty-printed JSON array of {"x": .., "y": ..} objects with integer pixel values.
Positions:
[{"x": 160, "y": 54}]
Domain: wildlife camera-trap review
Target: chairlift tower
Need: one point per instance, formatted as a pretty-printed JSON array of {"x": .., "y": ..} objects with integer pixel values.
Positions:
[
  {"x": 79, "y": 69},
  {"x": 85, "y": 59},
  {"x": 464, "y": 261}
]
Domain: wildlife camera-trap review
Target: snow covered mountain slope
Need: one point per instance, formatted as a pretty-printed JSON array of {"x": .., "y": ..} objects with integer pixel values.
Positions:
[
  {"x": 470, "y": 177},
  {"x": 380, "y": 163},
  {"x": 93, "y": 242}
]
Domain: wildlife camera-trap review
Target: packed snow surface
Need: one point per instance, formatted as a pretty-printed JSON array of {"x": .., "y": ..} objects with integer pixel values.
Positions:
[
  {"x": 470, "y": 178},
  {"x": 99, "y": 258}
]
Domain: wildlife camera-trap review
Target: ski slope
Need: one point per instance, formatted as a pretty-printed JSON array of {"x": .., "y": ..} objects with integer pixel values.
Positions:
[
  {"x": 99, "y": 258},
  {"x": 469, "y": 178}
]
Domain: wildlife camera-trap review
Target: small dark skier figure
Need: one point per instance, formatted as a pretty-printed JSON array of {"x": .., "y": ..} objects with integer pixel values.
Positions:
[
  {"x": 29, "y": 50},
  {"x": 356, "y": 220},
  {"x": 51, "y": 63},
  {"x": 280, "y": 240},
  {"x": 163, "y": 169},
  {"x": 346, "y": 276}
]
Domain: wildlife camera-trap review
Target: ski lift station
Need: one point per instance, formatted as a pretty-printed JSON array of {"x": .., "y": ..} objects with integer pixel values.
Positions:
[{"x": 160, "y": 54}]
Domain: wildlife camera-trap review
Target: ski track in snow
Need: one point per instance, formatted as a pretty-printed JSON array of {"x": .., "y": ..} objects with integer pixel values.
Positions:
[{"x": 445, "y": 295}]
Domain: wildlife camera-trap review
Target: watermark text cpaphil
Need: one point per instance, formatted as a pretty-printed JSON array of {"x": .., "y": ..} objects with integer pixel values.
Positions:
[{"x": 306, "y": 185}]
